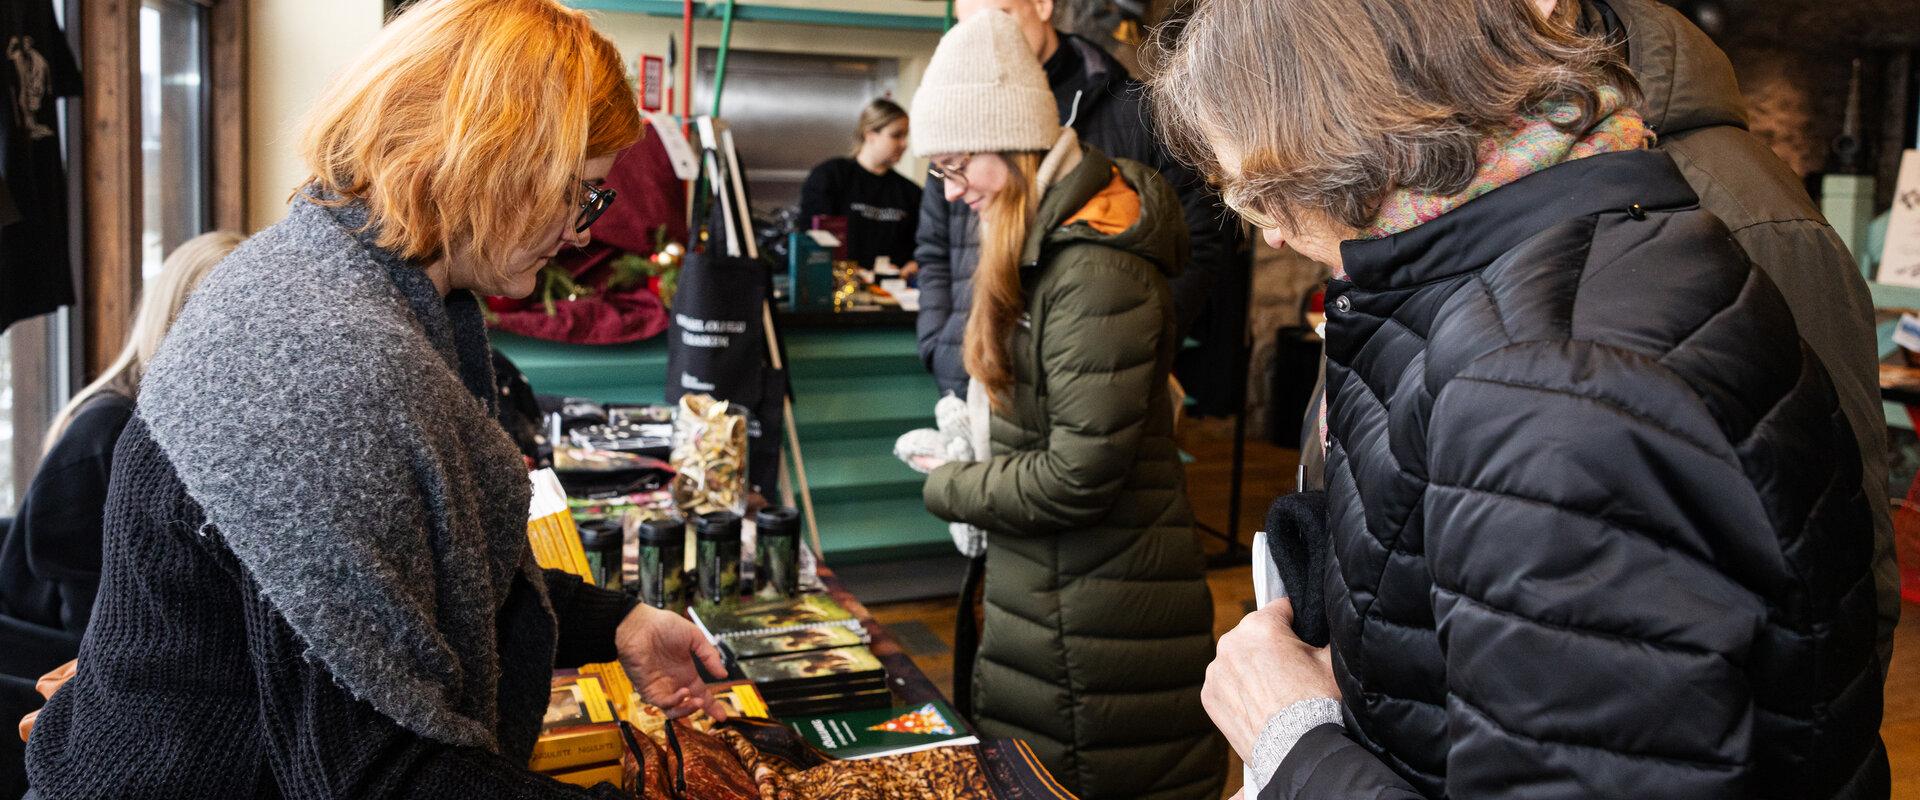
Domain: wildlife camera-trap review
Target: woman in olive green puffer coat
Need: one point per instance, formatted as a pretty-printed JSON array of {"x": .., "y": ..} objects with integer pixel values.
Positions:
[
  {"x": 1099, "y": 624},
  {"x": 1099, "y": 618}
]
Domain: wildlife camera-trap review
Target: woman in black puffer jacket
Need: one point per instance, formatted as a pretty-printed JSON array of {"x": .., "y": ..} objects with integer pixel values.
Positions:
[{"x": 1597, "y": 526}]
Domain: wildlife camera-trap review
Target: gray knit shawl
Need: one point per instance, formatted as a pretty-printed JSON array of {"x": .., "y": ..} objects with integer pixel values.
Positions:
[{"x": 330, "y": 412}]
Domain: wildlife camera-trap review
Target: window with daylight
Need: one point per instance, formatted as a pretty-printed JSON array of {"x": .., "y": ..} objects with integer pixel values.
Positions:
[{"x": 174, "y": 127}]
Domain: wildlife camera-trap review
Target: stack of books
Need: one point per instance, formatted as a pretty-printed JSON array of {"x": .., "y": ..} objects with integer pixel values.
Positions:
[
  {"x": 819, "y": 681},
  {"x": 807, "y": 655},
  {"x": 580, "y": 741},
  {"x": 551, "y": 529}
]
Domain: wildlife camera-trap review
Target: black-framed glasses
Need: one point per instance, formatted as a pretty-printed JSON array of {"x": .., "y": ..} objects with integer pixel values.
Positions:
[
  {"x": 956, "y": 173},
  {"x": 595, "y": 204}
]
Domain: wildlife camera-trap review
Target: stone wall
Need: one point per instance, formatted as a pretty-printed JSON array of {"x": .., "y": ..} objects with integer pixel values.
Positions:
[
  {"x": 1282, "y": 280},
  {"x": 1794, "y": 61}
]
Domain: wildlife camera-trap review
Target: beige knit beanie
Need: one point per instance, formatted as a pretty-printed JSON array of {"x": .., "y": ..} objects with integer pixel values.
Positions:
[{"x": 984, "y": 92}]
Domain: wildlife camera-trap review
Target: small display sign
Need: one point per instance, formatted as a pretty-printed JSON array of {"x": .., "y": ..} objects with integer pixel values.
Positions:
[
  {"x": 1900, "y": 261},
  {"x": 686, "y": 165},
  {"x": 1907, "y": 333}
]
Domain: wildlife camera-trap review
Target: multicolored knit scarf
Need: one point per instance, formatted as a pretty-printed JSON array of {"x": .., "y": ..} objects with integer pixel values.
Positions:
[{"x": 1535, "y": 144}]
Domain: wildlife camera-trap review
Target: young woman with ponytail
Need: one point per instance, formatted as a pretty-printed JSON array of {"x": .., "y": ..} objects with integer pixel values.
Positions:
[{"x": 1098, "y": 618}]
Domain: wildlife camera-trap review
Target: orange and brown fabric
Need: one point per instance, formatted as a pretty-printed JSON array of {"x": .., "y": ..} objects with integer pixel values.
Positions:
[
  {"x": 47, "y": 685},
  {"x": 752, "y": 759},
  {"x": 785, "y": 767}
]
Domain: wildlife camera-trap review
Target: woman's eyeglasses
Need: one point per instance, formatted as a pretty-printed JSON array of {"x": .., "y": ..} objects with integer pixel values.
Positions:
[
  {"x": 1238, "y": 199},
  {"x": 595, "y": 204},
  {"x": 953, "y": 171}
]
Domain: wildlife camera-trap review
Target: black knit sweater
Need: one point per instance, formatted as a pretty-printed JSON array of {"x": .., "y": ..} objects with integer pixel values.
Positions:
[{"x": 191, "y": 685}]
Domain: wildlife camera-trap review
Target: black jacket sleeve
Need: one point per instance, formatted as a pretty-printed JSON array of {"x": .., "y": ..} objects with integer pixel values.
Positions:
[
  {"x": 1325, "y": 763},
  {"x": 935, "y": 257},
  {"x": 1586, "y": 515},
  {"x": 587, "y": 616},
  {"x": 1119, "y": 121},
  {"x": 1214, "y": 237},
  {"x": 57, "y": 537}
]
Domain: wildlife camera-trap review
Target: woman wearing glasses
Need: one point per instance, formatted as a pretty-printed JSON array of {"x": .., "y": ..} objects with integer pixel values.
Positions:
[
  {"x": 1594, "y": 514},
  {"x": 317, "y": 579},
  {"x": 1098, "y": 619}
]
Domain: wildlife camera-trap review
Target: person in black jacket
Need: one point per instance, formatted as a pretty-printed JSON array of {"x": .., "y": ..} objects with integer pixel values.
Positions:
[
  {"x": 1596, "y": 520},
  {"x": 1105, "y": 106},
  {"x": 317, "y": 580},
  {"x": 880, "y": 205},
  {"x": 1695, "y": 105},
  {"x": 50, "y": 557}
]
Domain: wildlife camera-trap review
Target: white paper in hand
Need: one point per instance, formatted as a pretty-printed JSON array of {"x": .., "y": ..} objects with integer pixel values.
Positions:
[
  {"x": 1267, "y": 584},
  {"x": 1267, "y": 587}
]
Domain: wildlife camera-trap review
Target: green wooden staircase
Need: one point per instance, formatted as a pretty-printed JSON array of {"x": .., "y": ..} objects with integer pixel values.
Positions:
[{"x": 855, "y": 391}]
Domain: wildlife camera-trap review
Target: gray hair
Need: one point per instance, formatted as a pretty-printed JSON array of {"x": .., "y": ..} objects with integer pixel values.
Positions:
[{"x": 1322, "y": 106}]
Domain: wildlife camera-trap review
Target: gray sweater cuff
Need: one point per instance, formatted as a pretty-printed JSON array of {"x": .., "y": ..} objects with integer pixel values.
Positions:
[{"x": 1283, "y": 730}]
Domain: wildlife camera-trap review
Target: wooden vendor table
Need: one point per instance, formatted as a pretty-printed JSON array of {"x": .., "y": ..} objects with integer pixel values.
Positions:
[{"x": 910, "y": 686}]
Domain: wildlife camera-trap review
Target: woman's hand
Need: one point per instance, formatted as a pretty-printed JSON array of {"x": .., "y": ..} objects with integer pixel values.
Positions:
[
  {"x": 1260, "y": 668},
  {"x": 658, "y": 649},
  {"x": 928, "y": 449}
]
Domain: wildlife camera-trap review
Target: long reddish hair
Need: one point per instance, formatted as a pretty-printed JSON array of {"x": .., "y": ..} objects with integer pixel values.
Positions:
[
  {"x": 462, "y": 115},
  {"x": 998, "y": 300}
]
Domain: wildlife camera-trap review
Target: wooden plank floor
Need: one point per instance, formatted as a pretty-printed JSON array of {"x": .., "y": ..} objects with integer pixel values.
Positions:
[{"x": 925, "y": 628}]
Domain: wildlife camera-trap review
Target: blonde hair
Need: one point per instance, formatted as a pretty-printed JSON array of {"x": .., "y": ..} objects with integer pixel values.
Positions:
[
  {"x": 461, "y": 116},
  {"x": 1327, "y": 104},
  {"x": 873, "y": 119},
  {"x": 160, "y": 303},
  {"x": 998, "y": 301}
]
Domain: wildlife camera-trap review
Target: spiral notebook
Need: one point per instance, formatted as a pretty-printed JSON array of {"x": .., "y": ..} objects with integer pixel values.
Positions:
[{"x": 773, "y": 617}]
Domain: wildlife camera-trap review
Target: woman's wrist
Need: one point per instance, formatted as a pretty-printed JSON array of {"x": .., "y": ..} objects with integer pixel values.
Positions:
[{"x": 1283, "y": 730}]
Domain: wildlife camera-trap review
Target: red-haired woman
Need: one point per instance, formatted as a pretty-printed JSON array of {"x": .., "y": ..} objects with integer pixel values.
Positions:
[{"x": 317, "y": 580}]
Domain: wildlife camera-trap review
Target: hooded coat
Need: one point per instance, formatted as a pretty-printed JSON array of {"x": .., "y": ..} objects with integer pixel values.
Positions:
[
  {"x": 1597, "y": 525},
  {"x": 1098, "y": 618},
  {"x": 1693, "y": 102}
]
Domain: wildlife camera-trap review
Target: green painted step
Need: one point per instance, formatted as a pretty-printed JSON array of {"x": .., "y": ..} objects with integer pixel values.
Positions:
[
  {"x": 868, "y": 531},
  {"x": 862, "y": 407},
  {"x": 858, "y": 469},
  {"x": 858, "y": 352}
]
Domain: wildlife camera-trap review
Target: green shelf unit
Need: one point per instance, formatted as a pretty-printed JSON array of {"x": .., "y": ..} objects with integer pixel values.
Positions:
[
  {"x": 1888, "y": 296},
  {"x": 753, "y": 12},
  {"x": 623, "y": 373},
  {"x": 856, "y": 390}
]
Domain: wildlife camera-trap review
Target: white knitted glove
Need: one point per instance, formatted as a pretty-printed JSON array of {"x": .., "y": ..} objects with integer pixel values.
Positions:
[
  {"x": 931, "y": 444},
  {"x": 971, "y": 541},
  {"x": 951, "y": 417}
]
